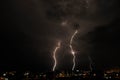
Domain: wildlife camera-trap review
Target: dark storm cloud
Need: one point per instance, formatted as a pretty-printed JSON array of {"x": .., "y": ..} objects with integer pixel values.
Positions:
[
  {"x": 39, "y": 15},
  {"x": 40, "y": 21},
  {"x": 68, "y": 9},
  {"x": 98, "y": 13}
]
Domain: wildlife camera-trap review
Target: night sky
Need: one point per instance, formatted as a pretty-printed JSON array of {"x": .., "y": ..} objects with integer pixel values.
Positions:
[{"x": 30, "y": 30}]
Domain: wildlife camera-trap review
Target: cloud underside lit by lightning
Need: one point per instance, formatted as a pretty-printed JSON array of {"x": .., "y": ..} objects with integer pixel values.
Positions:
[
  {"x": 54, "y": 55},
  {"x": 71, "y": 47}
]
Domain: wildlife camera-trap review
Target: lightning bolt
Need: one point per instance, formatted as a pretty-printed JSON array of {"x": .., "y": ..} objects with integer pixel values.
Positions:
[
  {"x": 90, "y": 65},
  {"x": 54, "y": 54},
  {"x": 71, "y": 47}
]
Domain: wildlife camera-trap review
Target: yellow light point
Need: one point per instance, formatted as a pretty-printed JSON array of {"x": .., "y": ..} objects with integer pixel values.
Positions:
[
  {"x": 72, "y": 51},
  {"x": 54, "y": 55}
]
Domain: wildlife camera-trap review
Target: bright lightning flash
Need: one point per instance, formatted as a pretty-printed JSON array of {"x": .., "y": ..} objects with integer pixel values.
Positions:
[
  {"x": 54, "y": 54},
  {"x": 71, "y": 47}
]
